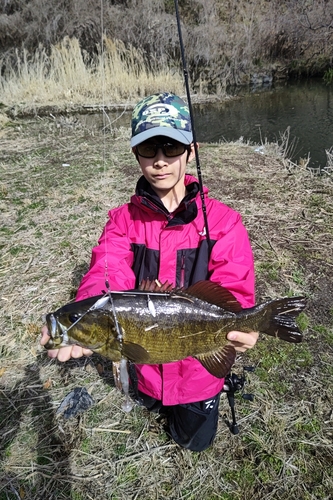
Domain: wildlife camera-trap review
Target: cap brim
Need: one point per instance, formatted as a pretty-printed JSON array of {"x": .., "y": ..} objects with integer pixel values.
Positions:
[{"x": 178, "y": 135}]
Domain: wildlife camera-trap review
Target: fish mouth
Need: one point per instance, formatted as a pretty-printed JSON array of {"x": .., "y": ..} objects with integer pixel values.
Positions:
[
  {"x": 57, "y": 332},
  {"x": 52, "y": 325}
]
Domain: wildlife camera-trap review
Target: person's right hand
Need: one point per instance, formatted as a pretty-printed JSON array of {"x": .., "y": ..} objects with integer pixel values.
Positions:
[{"x": 63, "y": 353}]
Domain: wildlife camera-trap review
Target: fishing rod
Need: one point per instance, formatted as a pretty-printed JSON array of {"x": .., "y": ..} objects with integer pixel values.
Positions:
[
  {"x": 233, "y": 383},
  {"x": 196, "y": 151}
]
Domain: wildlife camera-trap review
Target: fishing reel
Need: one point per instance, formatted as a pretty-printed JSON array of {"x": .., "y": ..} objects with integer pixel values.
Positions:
[{"x": 232, "y": 384}]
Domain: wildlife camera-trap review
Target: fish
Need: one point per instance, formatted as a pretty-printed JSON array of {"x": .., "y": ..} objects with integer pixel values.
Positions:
[{"x": 161, "y": 324}]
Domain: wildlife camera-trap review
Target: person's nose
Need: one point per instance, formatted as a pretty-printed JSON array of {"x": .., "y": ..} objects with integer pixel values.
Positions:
[{"x": 160, "y": 159}]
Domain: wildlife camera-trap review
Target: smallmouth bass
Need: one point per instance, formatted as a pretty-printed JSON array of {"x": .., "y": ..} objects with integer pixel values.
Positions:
[{"x": 151, "y": 326}]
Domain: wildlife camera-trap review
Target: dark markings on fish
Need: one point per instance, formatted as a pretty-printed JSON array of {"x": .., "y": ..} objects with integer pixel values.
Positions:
[
  {"x": 219, "y": 362},
  {"x": 176, "y": 324}
]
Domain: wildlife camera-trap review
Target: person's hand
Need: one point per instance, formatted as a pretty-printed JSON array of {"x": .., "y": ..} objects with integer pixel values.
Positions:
[
  {"x": 242, "y": 341},
  {"x": 64, "y": 353}
]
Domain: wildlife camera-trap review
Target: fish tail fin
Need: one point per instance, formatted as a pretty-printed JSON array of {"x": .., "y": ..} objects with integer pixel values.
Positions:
[{"x": 283, "y": 319}]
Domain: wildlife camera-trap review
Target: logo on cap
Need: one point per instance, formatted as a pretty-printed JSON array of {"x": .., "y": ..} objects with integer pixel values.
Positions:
[{"x": 161, "y": 114}]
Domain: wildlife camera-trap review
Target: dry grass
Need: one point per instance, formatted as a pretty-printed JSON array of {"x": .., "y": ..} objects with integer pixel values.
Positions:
[
  {"x": 58, "y": 179},
  {"x": 329, "y": 162},
  {"x": 228, "y": 42},
  {"x": 69, "y": 75}
]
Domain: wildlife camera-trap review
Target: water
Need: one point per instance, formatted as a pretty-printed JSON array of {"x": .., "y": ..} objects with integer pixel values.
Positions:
[
  {"x": 305, "y": 107},
  {"x": 260, "y": 114}
]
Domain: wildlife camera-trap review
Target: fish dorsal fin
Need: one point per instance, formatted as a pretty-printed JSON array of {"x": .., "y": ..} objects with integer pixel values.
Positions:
[
  {"x": 208, "y": 291},
  {"x": 214, "y": 294},
  {"x": 218, "y": 363}
]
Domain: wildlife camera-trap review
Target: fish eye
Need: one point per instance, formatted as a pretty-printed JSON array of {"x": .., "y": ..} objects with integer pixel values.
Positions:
[{"x": 74, "y": 317}]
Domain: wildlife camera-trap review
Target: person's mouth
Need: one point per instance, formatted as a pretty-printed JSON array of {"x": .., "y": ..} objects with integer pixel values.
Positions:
[{"x": 161, "y": 176}]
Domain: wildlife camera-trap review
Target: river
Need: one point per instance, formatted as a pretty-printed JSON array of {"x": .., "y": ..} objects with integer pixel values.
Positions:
[{"x": 259, "y": 114}]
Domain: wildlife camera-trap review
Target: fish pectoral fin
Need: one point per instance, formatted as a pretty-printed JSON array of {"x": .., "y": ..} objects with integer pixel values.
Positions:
[
  {"x": 135, "y": 353},
  {"x": 218, "y": 363}
]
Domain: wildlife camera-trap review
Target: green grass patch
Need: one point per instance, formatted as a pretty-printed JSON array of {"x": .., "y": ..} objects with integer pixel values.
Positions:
[{"x": 53, "y": 216}]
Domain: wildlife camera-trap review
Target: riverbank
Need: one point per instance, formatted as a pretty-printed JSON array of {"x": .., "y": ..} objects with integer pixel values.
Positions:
[
  {"x": 65, "y": 82},
  {"x": 226, "y": 43},
  {"x": 58, "y": 180},
  {"x": 70, "y": 109}
]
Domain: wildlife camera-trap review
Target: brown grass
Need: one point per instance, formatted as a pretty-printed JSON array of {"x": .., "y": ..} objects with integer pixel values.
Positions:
[
  {"x": 227, "y": 42},
  {"x": 58, "y": 180},
  {"x": 67, "y": 76}
]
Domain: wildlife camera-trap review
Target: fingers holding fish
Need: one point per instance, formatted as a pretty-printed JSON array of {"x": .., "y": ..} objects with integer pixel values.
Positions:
[
  {"x": 73, "y": 351},
  {"x": 64, "y": 353},
  {"x": 151, "y": 327},
  {"x": 155, "y": 286},
  {"x": 242, "y": 341},
  {"x": 45, "y": 335}
]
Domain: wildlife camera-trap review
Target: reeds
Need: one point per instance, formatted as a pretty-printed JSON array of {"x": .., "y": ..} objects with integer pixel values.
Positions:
[
  {"x": 226, "y": 43},
  {"x": 329, "y": 161},
  {"x": 114, "y": 74}
]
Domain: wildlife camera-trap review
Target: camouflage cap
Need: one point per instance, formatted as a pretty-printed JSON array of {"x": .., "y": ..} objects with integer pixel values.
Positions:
[{"x": 161, "y": 114}]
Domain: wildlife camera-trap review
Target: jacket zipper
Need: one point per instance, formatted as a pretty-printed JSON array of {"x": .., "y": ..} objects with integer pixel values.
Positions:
[{"x": 182, "y": 270}]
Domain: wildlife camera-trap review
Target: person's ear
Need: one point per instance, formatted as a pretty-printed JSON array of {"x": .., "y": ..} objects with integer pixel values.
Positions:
[
  {"x": 134, "y": 151},
  {"x": 191, "y": 154}
]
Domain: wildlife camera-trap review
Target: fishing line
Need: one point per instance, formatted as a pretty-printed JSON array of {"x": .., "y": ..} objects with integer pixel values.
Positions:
[
  {"x": 106, "y": 270},
  {"x": 230, "y": 391},
  {"x": 118, "y": 327},
  {"x": 196, "y": 151},
  {"x": 104, "y": 116},
  {"x": 123, "y": 373},
  {"x": 99, "y": 304}
]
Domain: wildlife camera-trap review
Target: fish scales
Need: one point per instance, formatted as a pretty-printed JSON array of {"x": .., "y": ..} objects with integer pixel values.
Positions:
[
  {"x": 178, "y": 330},
  {"x": 158, "y": 327}
]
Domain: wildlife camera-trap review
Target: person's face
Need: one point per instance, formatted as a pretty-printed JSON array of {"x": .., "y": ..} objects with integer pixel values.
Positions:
[{"x": 165, "y": 169}]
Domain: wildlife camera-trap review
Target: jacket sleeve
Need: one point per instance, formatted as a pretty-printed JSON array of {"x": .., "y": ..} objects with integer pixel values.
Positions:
[
  {"x": 231, "y": 261},
  {"x": 111, "y": 260}
]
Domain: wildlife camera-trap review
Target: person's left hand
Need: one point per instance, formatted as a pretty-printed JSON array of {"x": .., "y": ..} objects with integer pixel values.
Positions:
[{"x": 242, "y": 341}]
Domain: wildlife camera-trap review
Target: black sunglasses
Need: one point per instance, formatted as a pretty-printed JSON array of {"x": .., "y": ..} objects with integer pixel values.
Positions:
[{"x": 170, "y": 149}]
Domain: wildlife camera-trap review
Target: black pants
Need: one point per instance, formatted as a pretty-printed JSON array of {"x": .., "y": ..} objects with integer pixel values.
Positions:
[{"x": 193, "y": 425}]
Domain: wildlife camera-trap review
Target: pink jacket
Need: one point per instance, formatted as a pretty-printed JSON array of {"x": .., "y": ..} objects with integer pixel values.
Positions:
[{"x": 143, "y": 240}]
